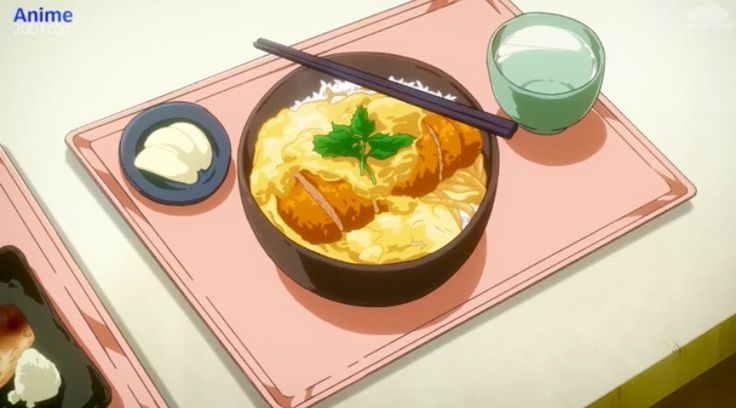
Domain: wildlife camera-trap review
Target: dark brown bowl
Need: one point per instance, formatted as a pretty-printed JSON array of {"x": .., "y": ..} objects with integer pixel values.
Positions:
[
  {"x": 365, "y": 285},
  {"x": 82, "y": 385}
]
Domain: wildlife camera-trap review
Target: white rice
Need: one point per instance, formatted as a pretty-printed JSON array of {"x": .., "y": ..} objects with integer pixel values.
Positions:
[
  {"x": 341, "y": 89},
  {"x": 465, "y": 217}
]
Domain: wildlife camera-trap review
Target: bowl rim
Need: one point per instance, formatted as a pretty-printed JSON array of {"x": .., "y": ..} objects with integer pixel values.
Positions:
[
  {"x": 556, "y": 18},
  {"x": 486, "y": 202}
]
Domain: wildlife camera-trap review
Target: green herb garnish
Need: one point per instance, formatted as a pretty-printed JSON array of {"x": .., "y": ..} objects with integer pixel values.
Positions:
[{"x": 356, "y": 140}]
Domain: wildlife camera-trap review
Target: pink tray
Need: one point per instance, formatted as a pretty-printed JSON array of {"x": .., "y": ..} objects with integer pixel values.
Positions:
[
  {"x": 559, "y": 198},
  {"x": 25, "y": 227}
]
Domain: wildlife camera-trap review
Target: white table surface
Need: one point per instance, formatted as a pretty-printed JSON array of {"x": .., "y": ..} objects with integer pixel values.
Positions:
[{"x": 564, "y": 342}]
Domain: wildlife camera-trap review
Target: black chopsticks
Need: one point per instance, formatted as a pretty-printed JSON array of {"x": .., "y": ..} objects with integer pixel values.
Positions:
[{"x": 462, "y": 113}]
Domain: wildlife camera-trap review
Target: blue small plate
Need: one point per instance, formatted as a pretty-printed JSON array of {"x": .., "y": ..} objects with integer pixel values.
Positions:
[{"x": 163, "y": 190}]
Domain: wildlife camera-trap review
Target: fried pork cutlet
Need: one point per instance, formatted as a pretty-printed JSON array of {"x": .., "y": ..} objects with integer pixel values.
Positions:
[{"x": 16, "y": 336}]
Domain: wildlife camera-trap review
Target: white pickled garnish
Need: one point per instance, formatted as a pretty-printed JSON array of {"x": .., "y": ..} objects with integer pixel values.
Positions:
[
  {"x": 36, "y": 379},
  {"x": 176, "y": 152}
]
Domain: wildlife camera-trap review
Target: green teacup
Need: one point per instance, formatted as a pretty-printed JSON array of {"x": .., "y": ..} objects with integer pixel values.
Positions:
[{"x": 546, "y": 70}]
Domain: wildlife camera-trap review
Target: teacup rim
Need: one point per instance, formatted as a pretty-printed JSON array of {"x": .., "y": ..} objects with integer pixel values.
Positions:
[{"x": 600, "y": 62}]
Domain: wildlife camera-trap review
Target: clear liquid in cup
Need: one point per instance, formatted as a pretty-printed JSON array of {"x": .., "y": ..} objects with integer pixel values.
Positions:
[{"x": 546, "y": 60}]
